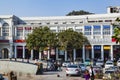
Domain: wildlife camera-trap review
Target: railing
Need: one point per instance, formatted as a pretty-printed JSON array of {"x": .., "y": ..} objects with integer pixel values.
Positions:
[{"x": 100, "y": 41}]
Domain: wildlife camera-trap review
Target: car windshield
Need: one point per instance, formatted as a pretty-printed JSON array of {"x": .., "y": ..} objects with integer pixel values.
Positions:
[
  {"x": 72, "y": 66},
  {"x": 109, "y": 63}
]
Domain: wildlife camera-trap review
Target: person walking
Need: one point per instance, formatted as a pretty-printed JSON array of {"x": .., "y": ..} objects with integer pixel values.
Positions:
[
  {"x": 92, "y": 73},
  {"x": 87, "y": 75}
]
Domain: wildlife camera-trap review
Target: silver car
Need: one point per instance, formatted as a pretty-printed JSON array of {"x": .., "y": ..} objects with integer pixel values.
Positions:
[
  {"x": 73, "y": 69},
  {"x": 66, "y": 63}
]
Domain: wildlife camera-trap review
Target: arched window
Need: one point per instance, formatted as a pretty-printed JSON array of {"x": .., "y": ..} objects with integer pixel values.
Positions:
[{"x": 5, "y": 29}]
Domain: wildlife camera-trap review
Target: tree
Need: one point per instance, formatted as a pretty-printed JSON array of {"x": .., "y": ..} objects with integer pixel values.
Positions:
[
  {"x": 41, "y": 38},
  {"x": 80, "y": 12},
  {"x": 70, "y": 39},
  {"x": 116, "y": 35}
]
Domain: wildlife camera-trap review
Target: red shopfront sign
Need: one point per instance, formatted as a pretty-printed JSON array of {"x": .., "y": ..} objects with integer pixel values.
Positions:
[{"x": 19, "y": 41}]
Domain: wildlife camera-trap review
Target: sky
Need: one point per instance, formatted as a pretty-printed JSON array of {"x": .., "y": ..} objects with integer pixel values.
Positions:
[{"x": 31, "y": 8}]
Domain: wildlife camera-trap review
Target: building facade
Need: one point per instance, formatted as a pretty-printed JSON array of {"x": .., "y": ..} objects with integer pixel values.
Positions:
[{"x": 96, "y": 27}]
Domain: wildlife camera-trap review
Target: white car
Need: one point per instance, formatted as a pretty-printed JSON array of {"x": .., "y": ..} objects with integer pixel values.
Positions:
[
  {"x": 100, "y": 63},
  {"x": 73, "y": 69},
  {"x": 118, "y": 63},
  {"x": 66, "y": 63},
  {"x": 107, "y": 74},
  {"x": 82, "y": 66},
  {"x": 109, "y": 64}
]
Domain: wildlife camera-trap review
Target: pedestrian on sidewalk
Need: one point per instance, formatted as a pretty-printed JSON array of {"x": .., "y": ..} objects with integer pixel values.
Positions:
[
  {"x": 92, "y": 73},
  {"x": 86, "y": 75}
]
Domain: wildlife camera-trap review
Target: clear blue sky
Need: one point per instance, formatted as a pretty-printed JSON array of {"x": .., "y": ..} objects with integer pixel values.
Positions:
[{"x": 53, "y": 7}]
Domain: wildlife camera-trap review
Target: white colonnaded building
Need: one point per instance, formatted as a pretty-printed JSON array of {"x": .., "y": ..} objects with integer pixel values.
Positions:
[{"x": 97, "y": 28}]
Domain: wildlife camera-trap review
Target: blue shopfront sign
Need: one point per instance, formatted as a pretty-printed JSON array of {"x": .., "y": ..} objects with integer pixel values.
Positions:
[{"x": 97, "y": 47}]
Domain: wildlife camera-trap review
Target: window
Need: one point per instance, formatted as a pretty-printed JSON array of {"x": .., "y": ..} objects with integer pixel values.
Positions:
[
  {"x": 56, "y": 23},
  {"x": 87, "y": 30},
  {"x": 108, "y": 20},
  {"x": 96, "y": 30},
  {"x": 5, "y": 29},
  {"x": 72, "y": 22},
  {"x": 20, "y": 31},
  {"x": 79, "y": 30},
  {"x": 64, "y": 22},
  {"x": 47, "y": 23},
  {"x": 91, "y": 21},
  {"x": 106, "y": 29},
  {"x": 27, "y": 30}
]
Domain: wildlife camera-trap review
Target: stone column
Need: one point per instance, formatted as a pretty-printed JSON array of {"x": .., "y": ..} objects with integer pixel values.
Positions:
[
  {"x": 111, "y": 52},
  {"x": 31, "y": 54},
  {"x": 23, "y": 52},
  {"x": 92, "y": 47},
  {"x": 40, "y": 55},
  {"x": 83, "y": 53},
  {"x": 48, "y": 55},
  {"x": 15, "y": 50},
  {"x": 65, "y": 55},
  {"x": 57, "y": 54},
  {"x": 102, "y": 52},
  {"x": 11, "y": 50},
  {"x": 74, "y": 54}
]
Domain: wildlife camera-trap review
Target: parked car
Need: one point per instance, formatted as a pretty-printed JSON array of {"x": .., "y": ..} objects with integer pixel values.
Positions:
[
  {"x": 100, "y": 63},
  {"x": 115, "y": 68},
  {"x": 118, "y": 63},
  {"x": 66, "y": 63},
  {"x": 87, "y": 62},
  {"x": 83, "y": 68},
  {"x": 73, "y": 69},
  {"x": 98, "y": 69},
  {"x": 108, "y": 75},
  {"x": 109, "y": 64}
]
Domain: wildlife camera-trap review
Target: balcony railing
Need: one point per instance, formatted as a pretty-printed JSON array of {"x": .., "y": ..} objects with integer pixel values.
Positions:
[{"x": 100, "y": 41}]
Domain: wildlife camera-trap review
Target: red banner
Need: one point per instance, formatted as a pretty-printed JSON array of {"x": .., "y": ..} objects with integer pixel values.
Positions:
[{"x": 19, "y": 41}]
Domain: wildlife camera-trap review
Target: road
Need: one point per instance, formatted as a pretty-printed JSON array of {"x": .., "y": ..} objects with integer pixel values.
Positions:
[{"x": 51, "y": 75}]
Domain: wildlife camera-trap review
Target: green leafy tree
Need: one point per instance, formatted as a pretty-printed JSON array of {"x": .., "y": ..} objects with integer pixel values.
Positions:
[
  {"x": 41, "y": 38},
  {"x": 116, "y": 35},
  {"x": 80, "y": 12},
  {"x": 70, "y": 39}
]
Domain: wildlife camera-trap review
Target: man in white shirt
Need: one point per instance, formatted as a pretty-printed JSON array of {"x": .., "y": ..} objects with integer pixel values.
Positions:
[{"x": 92, "y": 73}]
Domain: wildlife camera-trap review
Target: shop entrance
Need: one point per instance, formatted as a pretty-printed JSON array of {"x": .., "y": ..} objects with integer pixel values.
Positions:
[
  {"x": 97, "y": 54},
  {"x": 5, "y": 53}
]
